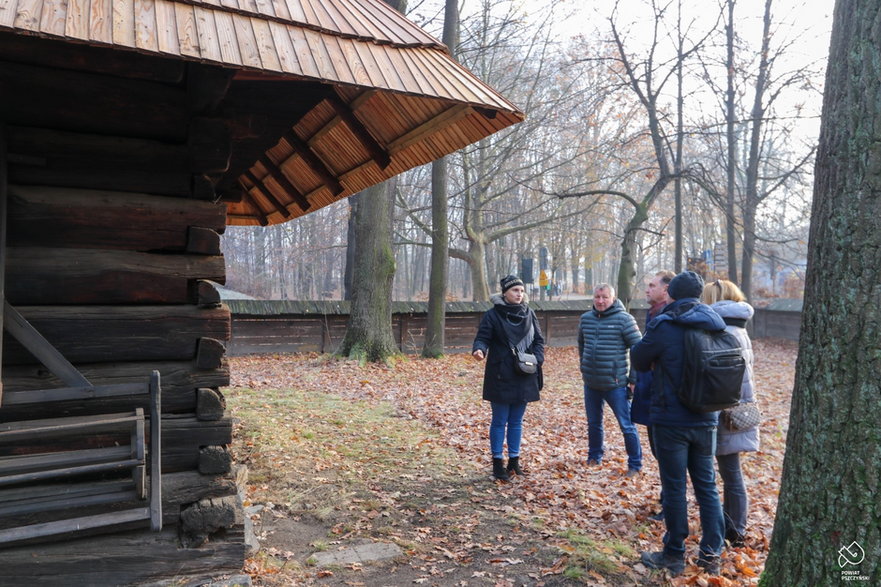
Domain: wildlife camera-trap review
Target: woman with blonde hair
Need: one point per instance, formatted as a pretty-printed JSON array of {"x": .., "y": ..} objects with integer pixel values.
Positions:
[{"x": 729, "y": 302}]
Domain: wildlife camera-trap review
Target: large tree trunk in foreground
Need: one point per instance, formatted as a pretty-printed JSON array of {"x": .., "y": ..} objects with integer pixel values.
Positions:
[
  {"x": 369, "y": 330},
  {"x": 828, "y": 524}
]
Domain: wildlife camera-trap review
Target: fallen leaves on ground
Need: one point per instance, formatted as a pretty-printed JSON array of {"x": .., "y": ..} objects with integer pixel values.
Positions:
[{"x": 560, "y": 501}]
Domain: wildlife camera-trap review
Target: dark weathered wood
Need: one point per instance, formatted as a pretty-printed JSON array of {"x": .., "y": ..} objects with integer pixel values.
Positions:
[
  {"x": 48, "y": 498},
  {"x": 21, "y": 533},
  {"x": 42, "y": 275},
  {"x": 207, "y": 86},
  {"x": 206, "y": 294},
  {"x": 125, "y": 559},
  {"x": 214, "y": 460},
  {"x": 204, "y": 241},
  {"x": 3, "y": 219},
  {"x": 180, "y": 380},
  {"x": 210, "y": 404},
  {"x": 155, "y": 452},
  {"x": 59, "y": 217},
  {"x": 210, "y": 145},
  {"x": 63, "y": 55},
  {"x": 91, "y": 334},
  {"x": 209, "y": 353},
  {"x": 37, "y": 345},
  {"x": 92, "y": 103}
]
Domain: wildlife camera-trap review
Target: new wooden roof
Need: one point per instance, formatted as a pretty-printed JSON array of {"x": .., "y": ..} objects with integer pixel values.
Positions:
[{"x": 395, "y": 99}]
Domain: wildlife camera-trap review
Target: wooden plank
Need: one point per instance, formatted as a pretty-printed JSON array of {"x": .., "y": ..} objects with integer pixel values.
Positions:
[
  {"x": 63, "y": 472},
  {"x": 4, "y": 197},
  {"x": 247, "y": 39},
  {"x": 226, "y": 36},
  {"x": 53, "y": 16},
  {"x": 48, "y": 498},
  {"x": 34, "y": 342},
  {"x": 166, "y": 28},
  {"x": 124, "y": 23},
  {"x": 54, "y": 426},
  {"x": 101, "y": 21},
  {"x": 27, "y": 14},
  {"x": 265, "y": 45},
  {"x": 185, "y": 16},
  {"x": 155, "y": 452},
  {"x": 287, "y": 57},
  {"x": 8, "y": 10},
  {"x": 209, "y": 41},
  {"x": 76, "y": 25},
  {"x": 15, "y": 464},
  {"x": 39, "y": 396},
  {"x": 73, "y": 525},
  {"x": 145, "y": 25}
]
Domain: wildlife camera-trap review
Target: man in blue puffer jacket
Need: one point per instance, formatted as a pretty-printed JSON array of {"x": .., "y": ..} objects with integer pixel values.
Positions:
[
  {"x": 685, "y": 440},
  {"x": 605, "y": 336}
]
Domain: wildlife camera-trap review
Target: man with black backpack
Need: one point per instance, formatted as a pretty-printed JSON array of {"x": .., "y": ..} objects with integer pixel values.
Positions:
[{"x": 685, "y": 439}]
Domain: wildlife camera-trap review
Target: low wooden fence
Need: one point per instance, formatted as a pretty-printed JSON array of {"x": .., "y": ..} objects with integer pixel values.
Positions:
[{"x": 265, "y": 327}]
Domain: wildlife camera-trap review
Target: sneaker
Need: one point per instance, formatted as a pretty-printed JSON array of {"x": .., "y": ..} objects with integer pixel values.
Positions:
[
  {"x": 709, "y": 565},
  {"x": 593, "y": 463},
  {"x": 631, "y": 473},
  {"x": 735, "y": 539},
  {"x": 661, "y": 560}
]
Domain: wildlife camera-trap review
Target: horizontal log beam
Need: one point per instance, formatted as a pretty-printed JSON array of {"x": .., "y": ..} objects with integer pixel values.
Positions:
[
  {"x": 50, "y": 216},
  {"x": 43, "y": 275},
  {"x": 180, "y": 380},
  {"x": 96, "y": 334}
]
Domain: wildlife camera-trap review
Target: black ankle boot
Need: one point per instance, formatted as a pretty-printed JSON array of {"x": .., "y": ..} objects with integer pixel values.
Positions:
[
  {"x": 514, "y": 465},
  {"x": 499, "y": 471}
]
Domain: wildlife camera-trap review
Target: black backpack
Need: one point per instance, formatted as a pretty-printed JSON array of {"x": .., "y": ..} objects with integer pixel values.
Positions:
[{"x": 712, "y": 371}]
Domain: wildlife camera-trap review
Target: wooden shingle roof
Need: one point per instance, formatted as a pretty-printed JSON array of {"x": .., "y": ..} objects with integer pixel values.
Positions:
[{"x": 394, "y": 98}]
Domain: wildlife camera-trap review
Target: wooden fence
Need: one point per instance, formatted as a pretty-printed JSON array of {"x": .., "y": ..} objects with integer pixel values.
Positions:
[{"x": 265, "y": 327}]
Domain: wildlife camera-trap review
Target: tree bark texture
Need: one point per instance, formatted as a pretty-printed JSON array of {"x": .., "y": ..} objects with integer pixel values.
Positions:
[
  {"x": 369, "y": 331},
  {"x": 832, "y": 470}
]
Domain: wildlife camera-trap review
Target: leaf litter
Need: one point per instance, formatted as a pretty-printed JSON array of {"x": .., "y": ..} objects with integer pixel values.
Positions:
[{"x": 340, "y": 453}]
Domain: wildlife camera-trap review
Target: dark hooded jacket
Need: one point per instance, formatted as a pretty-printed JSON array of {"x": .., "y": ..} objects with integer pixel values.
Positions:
[
  {"x": 501, "y": 328},
  {"x": 662, "y": 350}
]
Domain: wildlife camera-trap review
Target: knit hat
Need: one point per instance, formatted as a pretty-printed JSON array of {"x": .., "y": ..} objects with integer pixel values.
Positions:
[
  {"x": 510, "y": 281},
  {"x": 687, "y": 284}
]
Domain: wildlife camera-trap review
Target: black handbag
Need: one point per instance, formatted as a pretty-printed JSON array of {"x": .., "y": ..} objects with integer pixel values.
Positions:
[{"x": 525, "y": 363}]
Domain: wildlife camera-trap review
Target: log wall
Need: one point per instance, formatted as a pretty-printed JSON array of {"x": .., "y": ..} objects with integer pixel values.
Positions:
[{"x": 113, "y": 247}]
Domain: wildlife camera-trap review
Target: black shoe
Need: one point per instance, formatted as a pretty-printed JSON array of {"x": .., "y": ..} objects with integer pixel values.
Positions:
[
  {"x": 499, "y": 471},
  {"x": 514, "y": 466},
  {"x": 661, "y": 560},
  {"x": 709, "y": 564},
  {"x": 658, "y": 517},
  {"x": 734, "y": 538}
]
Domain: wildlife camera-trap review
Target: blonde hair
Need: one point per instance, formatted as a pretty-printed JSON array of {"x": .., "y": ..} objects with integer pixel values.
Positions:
[{"x": 722, "y": 289}]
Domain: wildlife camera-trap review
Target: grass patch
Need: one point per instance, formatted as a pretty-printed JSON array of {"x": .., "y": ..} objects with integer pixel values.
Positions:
[
  {"x": 316, "y": 453},
  {"x": 586, "y": 553}
]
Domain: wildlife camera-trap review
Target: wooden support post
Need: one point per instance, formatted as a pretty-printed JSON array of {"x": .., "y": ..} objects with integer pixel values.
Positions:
[
  {"x": 3, "y": 195},
  {"x": 302, "y": 149},
  {"x": 280, "y": 178}
]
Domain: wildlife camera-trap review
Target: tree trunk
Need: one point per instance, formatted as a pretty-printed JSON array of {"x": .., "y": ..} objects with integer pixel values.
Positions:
[
  {"x": 440, "y": 233},
  {"x": 752, "y": 198},
  {"x": 626, "y": 271},
  {"x": 369, "y": 330},
  {"x": 828, "y": 524},
  {"x": 477, "y": 266},
  {"x": 730, "y": 233}
]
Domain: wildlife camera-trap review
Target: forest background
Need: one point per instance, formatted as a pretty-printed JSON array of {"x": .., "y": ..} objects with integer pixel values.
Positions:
[{"x": 659, "y": 134}]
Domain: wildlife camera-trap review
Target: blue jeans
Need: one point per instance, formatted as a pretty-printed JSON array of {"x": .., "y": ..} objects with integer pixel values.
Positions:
[
  {"x": 736, "y": 502},
  {"x": 617, "y": 400},
  {"x": 508, "y": 416},
  {"x": 684, "y": 450}
]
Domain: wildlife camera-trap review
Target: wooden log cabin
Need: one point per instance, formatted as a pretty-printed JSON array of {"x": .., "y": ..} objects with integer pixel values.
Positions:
[{"x": 132, "y": 132}]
